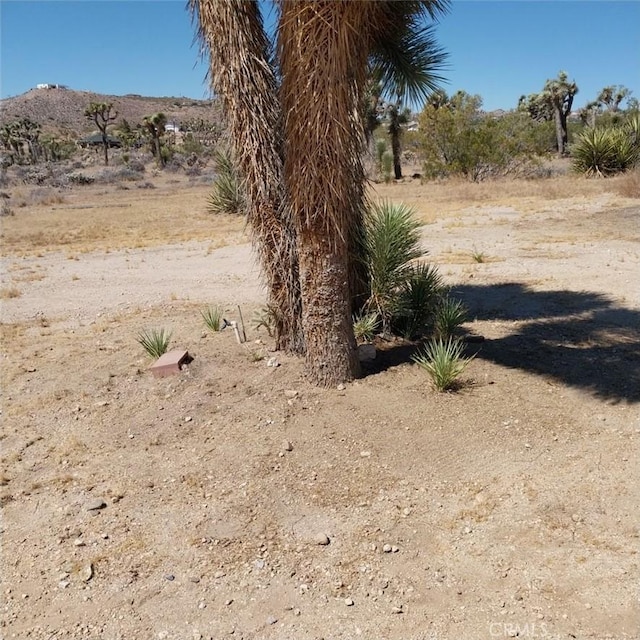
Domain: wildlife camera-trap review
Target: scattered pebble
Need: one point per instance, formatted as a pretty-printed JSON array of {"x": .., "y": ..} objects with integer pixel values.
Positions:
[
  {"x": 272, "y": 620},
  {"x": 86, "y": 573},
  {"x": 321, "y": 539},
  {"x": 228, "y": 602},
  {"x": 397, "y": 609},
  {"x": 273, "y": 362},
  {"x": 365, "y": 454},
  {"x": 79, "y": 543},
  {"x": 170, "y": 577},
  {"x": 386, "y": 548},
  {"x": 95, "y": 505},
  {"x": 287, "y": 446},
  {"x": 394, "y": 549},
  {"x": 202, "y": 605},
  {"x": 290, "y": 393},
  {"x": 341, "y": 387},
  {"x": 188, "y": 419},
  {"x": 349, "y": 602}
]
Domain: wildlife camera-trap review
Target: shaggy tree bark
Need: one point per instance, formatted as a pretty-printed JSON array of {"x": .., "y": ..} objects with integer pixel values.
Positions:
[
  {"x": 243, "y": 77},
  {"x": 323, "y": 53}
]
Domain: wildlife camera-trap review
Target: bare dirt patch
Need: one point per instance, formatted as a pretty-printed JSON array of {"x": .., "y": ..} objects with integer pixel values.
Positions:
[{"x": 192, "y": 506}]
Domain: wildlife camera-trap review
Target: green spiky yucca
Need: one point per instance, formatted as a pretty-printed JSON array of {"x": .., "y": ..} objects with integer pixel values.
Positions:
[
  {"x": 154, "y": 341},
  {"x": 227, "y": 195},
  {"x": 443, "y": 360}
]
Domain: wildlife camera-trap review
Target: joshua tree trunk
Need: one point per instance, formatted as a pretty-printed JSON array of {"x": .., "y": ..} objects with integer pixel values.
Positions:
[
  {"x": 561, "y": 130},
  {"x": 323, "y": 51},
  {"x": 395, "y": 131},
  {"x": 242, "y": 76}
]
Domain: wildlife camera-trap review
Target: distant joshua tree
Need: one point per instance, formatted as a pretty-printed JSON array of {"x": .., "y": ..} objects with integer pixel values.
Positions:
[
  {"x": 155, "y": 125},
  {"x": 102, "y": 114}
]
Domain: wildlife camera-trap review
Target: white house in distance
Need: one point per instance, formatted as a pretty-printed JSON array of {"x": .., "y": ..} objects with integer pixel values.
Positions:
[{"x": 49, "y": 85}]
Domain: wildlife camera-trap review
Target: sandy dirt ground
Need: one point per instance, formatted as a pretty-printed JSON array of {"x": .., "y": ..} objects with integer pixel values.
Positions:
[{"x": 235, "y": 500}]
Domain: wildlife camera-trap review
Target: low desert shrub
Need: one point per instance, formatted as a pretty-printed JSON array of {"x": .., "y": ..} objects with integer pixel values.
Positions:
[{"x": 265, "y": 317}]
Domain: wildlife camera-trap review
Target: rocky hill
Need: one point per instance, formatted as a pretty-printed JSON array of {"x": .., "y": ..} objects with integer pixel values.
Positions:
[{"x": 61, "y": 110}]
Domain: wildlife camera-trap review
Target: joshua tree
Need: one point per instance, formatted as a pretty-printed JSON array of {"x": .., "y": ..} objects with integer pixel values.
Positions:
[
  {"x": 323, "y": 50},
  {"x": 102, "y": 114},
  {"x": 553, "y": 102},
  {"x": 155, "y": 125}
]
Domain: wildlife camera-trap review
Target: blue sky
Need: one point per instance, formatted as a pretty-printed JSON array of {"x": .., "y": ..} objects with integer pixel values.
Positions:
[{"x": 498, "y": 49}]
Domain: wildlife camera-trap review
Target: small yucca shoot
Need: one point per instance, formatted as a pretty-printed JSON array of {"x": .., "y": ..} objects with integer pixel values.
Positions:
[
  {"x": 443, "y": 361},
  {"x": 212, "y": 317},
  {"x": 450, "y": 314},
  {"x": 364, "y": 326},
  {"x": 154, "y": 341}
]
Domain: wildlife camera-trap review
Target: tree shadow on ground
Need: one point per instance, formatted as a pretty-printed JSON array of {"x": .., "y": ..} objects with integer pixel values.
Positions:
[{"x": 582, "y": 339}]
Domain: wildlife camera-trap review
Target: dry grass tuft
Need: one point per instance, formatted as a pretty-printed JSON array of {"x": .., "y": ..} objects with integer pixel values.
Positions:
[
  {"x": 10, "y": 292},
  {"x": 628, "y": 184}
]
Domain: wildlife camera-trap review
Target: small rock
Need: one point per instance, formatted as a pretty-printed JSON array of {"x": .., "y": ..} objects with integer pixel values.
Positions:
[
  {"x": 397, "y": 609},
  {"x": 170, "y": 577},
  {"x": 468, "y": 530},
  {"x": 366, "y": 352},
  {"x": 79, "y": 543},
  {"x": 228, "y": 602},
  {"x": 349, "y": 602},
  {"x": 365, "y": 454},
  {"x": 394, "y": 549},
  {"x": 272, "y": 620},
  {"x": 86, "y": 573},
  {"x": 341, "y": 387},
  {"x": 287, "y": 446},
  {"x": 188, "y": 419},
  {"x": 576, "y": 518},
  {"x": 63, "y": 584},
  {"x": 290, "y": 393},
  {"x": 321, "y": 539},
  {"x": 219, "y": 574},
  {"x": 202, "y": 605},
  {"x": 194, "y": 579},
  {"x": 387, "y": 548},
  {"x": 95, "y": 505},
  {"x": 587, "y": 606},
  {"x": 259, "y": 564},
  {"x": 273, "y": 362}
]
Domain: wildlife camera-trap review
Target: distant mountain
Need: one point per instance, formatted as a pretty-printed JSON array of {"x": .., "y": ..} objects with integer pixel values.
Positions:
[{"x": 61, "y": 110}]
